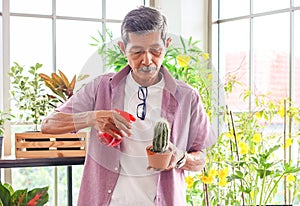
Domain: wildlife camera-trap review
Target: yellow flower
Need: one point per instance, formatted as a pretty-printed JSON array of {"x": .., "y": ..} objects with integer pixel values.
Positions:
[
  {"x": 243, "y": 148},
  {"x": 223, "y": 173},
  {"x": 183, "y": 60},
  {"x": 222, "y": 182},
  {"x": 189, "y": 181},
  {"x": 212, "y": 172},
  {"x": 288, "y": 142},
  {"x": 256, "y": 138},
  {"x": 215, "y": 158},
  {"x": 252, "y": 194},
  {"x": 229, "y": 135},
  {"x": 281, "y": 111},
  {"x": 207, "y": 179},
  {"x": 290, "y": 178},
  {"x": 209, "y": 76},
  {"x": 258, "y": 114},
  {"x": 205, "y": 56},
  {"x": 238, "y": 136}
]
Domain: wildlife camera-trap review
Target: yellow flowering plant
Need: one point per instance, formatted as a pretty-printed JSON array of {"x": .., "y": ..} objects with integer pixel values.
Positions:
[{"x": 260, "y": 169}]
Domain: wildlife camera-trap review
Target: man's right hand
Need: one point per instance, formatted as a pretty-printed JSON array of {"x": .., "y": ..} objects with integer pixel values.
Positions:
[{"x": 115, "y": 123}]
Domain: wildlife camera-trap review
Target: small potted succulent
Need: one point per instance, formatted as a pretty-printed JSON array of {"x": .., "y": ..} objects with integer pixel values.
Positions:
[{"x": 159, "y": 153}]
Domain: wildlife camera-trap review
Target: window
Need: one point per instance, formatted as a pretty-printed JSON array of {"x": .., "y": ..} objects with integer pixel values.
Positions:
[
  {"x": 254, "y": 40},
  {"x": 257, "y": 42}
]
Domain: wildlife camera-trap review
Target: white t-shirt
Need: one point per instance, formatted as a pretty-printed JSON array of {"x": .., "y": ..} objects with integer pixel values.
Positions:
[{"x": 136, "y": 186}]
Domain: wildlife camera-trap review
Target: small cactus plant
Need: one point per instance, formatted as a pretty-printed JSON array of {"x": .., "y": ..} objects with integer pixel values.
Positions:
[{"x": 161, "y": 136}]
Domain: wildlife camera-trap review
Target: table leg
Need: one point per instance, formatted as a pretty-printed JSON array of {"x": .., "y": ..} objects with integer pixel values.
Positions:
[{"x": 69, "y": 177}]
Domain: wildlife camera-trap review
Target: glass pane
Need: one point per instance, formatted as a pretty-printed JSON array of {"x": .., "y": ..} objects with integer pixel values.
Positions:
[
  {"x": 215, "y": 5},
  {"x": 79, "y": 8},
  {"x": 114, "y": 13},
  {"x": 297, "y": 57},
  {"x": 115, "y": 28},
  {"x": 296, "y": 2},
  {"x": 234, "y": 8},
  {"x": 271, "y": 56},
  {"x": 269, "y": 5},
  {"x": 27, "y": 178},
  {"x": 234, "y": 61},
  {"x": 73, "y": 46},
  {"x": 31, "y": 6},
  {"x": 1, "y": 5},
  {"x": 31, "y": 42},
  {"x": 77, "y": 171}
]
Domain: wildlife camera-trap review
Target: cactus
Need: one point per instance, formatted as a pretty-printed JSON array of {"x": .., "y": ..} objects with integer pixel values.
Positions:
[{"x": 161, "y": 136}]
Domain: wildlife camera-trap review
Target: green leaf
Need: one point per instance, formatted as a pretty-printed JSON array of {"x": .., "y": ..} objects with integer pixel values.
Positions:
[
  {"x": 39, "y": 196},
  {"x": 5, "y": 195},
  {"x": 19, "y": 197}
]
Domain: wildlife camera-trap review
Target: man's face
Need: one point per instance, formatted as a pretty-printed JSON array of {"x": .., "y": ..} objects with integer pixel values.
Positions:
[{"x": 145, "y": 54}]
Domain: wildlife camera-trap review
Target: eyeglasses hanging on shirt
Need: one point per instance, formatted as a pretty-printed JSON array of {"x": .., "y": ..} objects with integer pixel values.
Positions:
[{"x": 141, "y": 108}]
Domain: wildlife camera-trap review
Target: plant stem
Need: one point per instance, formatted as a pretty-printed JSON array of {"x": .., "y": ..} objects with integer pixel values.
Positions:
[
  {"x": 284, "y": 147},
  {"x": 275, "y": 185},
  {"x": 262, "y": 186},
  {"x": 231, "y": 146},
  {"x": 256, "y": 181},
  {"x": 205, "y": 192},
  {"x": 268, "y": 187},
  {"x": 237, "y": 152},
  {"x": 290, "y": 148}
]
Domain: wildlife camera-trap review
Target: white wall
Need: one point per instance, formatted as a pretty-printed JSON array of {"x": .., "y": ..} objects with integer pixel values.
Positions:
[{"x": 186, "y": 18}]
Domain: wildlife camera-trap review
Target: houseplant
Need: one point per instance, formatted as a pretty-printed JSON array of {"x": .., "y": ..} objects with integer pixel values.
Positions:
[
  {"x": 62, "y": 88},
  {"x": 251, "y": 164},
  {"x": 159, "y": 153},
  {"x": 29, "y": 94},
  {"x": 34, "y": 197}
]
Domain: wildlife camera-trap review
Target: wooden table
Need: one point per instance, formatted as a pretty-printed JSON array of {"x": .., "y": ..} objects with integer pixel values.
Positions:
[{"x": 12, "y": 162}]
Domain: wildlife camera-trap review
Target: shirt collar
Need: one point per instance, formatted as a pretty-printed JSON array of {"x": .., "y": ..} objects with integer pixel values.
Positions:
[{"x": 170, "y": 83}]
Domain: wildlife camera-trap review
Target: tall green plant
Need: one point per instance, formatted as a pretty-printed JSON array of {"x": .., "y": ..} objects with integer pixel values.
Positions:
[{"x": 29, "y": 94}]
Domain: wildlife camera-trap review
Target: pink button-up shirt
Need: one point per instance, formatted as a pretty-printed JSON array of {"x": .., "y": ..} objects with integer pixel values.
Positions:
[{"x": 181, "y": 106}]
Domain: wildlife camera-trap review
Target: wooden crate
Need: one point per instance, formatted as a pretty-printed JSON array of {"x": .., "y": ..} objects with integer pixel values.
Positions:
[{"x": 38, "y": 145}]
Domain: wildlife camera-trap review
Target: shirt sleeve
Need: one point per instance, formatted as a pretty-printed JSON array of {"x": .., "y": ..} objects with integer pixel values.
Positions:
[
  {"x": 83, "y": 100},
  {"x": 201, "y": 133}
]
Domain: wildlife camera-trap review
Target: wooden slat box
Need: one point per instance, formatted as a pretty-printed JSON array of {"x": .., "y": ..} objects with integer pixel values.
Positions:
[{"x": 38, "y": 145}]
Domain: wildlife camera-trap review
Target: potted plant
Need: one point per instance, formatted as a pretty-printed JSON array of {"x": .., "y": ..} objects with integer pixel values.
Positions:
[
  {"x": 61, "y": 87},
  {"x": 31, "y": 96},
  {"x": 159, "y": 153},
  {"x": 34, "y": 197},
  {"x": 4, "y": 116}
]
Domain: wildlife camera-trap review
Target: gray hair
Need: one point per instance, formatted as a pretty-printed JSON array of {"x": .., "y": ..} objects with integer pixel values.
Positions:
[{"x": 143, "y": 20}]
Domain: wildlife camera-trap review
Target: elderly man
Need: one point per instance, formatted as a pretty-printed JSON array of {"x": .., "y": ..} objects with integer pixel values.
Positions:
[{"x": 118, "y": 175}]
